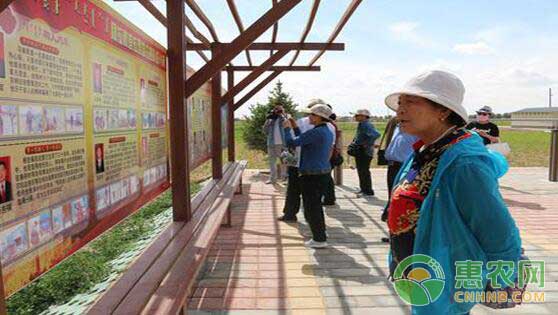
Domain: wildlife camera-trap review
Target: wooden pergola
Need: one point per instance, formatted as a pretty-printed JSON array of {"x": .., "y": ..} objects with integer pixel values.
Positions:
[{"x": 222, "y": 55}]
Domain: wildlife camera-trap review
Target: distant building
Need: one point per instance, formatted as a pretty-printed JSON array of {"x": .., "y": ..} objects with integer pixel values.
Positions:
[{"x": 535, "y": 117}]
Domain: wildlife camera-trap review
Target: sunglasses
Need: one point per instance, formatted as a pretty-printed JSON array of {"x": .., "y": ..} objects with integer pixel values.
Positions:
[{"x": 482, "y": 114}]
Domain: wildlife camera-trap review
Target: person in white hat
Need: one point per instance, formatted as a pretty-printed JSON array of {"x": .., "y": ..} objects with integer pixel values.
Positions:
[
  {"x": 445, "y": 202},
  {"x": 363, "y": 142},
  {"x": 294, "y": 193},
  {"x": 314, "y": 168},
  {"x": 487, "y": 130}
]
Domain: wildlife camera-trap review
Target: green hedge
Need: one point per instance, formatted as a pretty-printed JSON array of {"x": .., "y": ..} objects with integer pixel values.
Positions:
[{"x": 89, "y": 266}]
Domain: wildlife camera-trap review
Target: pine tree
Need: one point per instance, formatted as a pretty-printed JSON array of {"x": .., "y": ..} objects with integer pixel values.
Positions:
[{"x": 253, "y": 133}]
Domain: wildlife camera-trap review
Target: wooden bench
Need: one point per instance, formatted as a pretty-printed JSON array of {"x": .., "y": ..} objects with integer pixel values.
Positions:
[{"x": 159, "y": 281}]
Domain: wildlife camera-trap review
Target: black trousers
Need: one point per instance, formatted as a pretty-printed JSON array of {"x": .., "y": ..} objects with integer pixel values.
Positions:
[
  {"x": 312, "y": 187},
  {"x": 393, "y": 169},
  {"x": 329, "y": 192},
  {"x": 363, "y": 170},
  {"x": 292, "y": 201}
]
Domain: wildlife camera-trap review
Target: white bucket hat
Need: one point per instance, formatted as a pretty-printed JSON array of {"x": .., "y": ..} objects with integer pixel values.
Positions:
[
  {"x": 363, "y": 112},
  {"x": 321, "y": 110},
  {"x": 440, "y": 87},
  {"x": 315, "y": 101}
]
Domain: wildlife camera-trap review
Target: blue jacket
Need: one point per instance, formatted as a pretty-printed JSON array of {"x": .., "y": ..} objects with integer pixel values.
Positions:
[
  {"x": 366, "y": 135},
  {"x": 315, "y": 149},
  {"x": 268, "y": 128},
  {"x": 464, "y": 217}
]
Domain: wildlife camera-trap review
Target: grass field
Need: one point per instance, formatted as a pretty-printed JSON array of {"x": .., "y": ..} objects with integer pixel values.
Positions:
[{"x": 529, "y": 148}]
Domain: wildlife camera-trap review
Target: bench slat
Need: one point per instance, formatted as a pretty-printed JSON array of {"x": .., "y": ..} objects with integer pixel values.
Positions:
[
  {"x": 139, "y": 295},
  {"x": 173, "y": 291},
  {"x": 153, "y": 272},
  {"x": 108, "y": 302}
]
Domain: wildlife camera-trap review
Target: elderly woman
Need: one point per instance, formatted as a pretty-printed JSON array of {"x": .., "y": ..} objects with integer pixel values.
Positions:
[
  {"x": 446, "y": 203},
  {"x": 314, "y": 168}
]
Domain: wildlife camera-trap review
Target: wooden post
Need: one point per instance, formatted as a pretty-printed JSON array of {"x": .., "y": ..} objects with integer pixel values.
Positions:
[
  {"x": 180, "y": 166},
  {"x": 230, "y": 131},
  {"x": 553, "y": 167},
  {"x": 216, "y": 145},
  {"x": 338, "y": 171},
  {"x": 3, "y": 309}
]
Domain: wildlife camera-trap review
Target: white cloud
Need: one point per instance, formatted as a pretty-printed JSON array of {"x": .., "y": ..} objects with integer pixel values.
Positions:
[
  {"x": 477, "y": 48},
  {"x": 492, "y": 35},
  {"x": 409, "y": 32},
  {"x": 403, "y": 28}
]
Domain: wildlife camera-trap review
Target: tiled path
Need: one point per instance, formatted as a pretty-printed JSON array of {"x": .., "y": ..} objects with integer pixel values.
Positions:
[{"x": 260, "y": 266}]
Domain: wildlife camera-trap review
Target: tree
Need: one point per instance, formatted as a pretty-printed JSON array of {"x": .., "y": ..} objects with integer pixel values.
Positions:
[{"x": 253, "y": 133}]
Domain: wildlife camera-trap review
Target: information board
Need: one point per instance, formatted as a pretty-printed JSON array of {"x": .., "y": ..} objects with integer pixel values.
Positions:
[{"x": 83, "y": 129}]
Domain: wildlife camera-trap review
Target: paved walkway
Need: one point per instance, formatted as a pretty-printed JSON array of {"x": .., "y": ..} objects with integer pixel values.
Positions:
[{"x": 260, "y": 266}]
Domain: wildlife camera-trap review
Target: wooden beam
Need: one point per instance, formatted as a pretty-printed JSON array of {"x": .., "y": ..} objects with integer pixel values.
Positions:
[
  {"x": 279, "y": 46},
  {"x": 180, "y": 166},
  {"x": 254, "y": 75},
  {"x": 238, "y": 21},
  {"x": 199, "y": 52},
  {"x": 274, "y": 68},
  {"x": 216, "y": 143},
  {"x": 154, "y": 11},
  {"x": 275, "y": 30},
  {"x": 256, "y": 89},
  {"x": 308, "y": 27},
  {"x": 230, "y": 111},
  {"x": 344, "y": 19},
  {"x": 4, "y": 4},
  {"x": 196, "y": 33},
  {"x": 237, "y": 45},
  {"x": 205, "y": 20}
]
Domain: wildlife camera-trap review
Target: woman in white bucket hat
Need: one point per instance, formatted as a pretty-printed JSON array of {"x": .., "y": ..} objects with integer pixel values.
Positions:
[
  {"x": 445, "y": 194},
  {"x": 314, "y": 169}
]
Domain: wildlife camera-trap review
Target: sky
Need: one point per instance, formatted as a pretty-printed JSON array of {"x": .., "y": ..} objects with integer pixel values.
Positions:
[{"x": 504, "y": 51}]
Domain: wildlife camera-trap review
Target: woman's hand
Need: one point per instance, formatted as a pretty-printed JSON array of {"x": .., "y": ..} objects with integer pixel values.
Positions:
[{"x": 293, "y": 122}]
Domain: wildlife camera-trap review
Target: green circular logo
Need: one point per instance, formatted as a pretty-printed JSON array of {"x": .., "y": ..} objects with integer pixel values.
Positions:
[{"x": 419, "y": 280}]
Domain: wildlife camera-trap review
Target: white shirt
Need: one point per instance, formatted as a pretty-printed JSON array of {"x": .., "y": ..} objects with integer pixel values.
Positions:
[
  {"x": 332, "y": 129},
  {"x": 304, "y": 125},
  {"x": 277, "y": 140}
]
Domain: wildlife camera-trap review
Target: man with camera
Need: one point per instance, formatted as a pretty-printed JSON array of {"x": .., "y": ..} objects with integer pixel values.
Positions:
[{"x": 273, "y": 128}]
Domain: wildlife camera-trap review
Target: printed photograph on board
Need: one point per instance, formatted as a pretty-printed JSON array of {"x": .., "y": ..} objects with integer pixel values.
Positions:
[
  {"x": 13, "y": 241},
  {"x": 99, "y": 158},
  {"x": 40, "y": 229},
  {"x": 100, "y": 119},
  {"x": 54, "y": 120},
  {"x": 5, "y": 180},
  {"x": 8, "y": 120},
  {"x": 102, "y": 196},
  {"x": 80, "y": 210},
  {"x": 74, "y": 119},
  {"x": 31, "y": 120}
]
